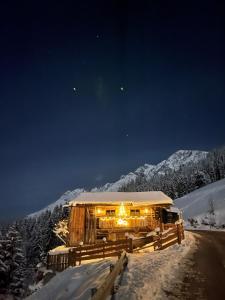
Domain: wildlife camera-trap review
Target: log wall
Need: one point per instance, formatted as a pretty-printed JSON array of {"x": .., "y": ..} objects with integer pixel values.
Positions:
[{"x": 76, "y": 225}]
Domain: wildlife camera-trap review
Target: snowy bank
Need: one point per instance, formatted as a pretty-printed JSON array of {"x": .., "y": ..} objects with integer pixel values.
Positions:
[
  {"x": 197, "y": 203},
  {"x": 74, "y": 282},
  {"x": 149, "y": 273}
]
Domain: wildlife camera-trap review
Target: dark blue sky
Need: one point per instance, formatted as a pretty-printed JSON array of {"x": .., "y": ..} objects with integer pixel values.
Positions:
[{"x": 167, "y": 55}]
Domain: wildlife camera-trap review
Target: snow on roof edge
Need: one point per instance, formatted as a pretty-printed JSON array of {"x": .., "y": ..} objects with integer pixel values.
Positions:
[{"x": 144, "y": 198}]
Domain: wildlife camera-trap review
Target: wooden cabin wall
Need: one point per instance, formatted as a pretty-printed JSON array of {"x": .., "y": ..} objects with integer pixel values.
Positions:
[
  {"x": 89, "y": 222},
  {"x": 76, "y": 225},
  {"x": 90, "y": 226}
]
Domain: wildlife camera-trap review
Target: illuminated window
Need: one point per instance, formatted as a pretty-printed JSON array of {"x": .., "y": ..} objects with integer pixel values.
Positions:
[
  {"x": 135, "y": 212},
  {"x": 110, "y": 212}
]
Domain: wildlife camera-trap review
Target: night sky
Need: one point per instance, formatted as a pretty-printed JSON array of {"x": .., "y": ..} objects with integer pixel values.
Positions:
[{"x": 90, "y": 90}]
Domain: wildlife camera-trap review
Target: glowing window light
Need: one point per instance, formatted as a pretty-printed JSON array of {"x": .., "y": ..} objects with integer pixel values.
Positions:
[
  {"x": 99, "y": 211},
  {"x": 146, "y": 210}
]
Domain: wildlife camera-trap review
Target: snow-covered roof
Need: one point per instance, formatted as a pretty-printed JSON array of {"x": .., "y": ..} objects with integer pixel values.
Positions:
[
  {"x": 174, "y": 209},
  {"x": 136, "y": 198}
]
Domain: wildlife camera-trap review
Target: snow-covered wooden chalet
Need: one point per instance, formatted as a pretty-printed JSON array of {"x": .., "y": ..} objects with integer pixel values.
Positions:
[{"x": 113, "y": 215}]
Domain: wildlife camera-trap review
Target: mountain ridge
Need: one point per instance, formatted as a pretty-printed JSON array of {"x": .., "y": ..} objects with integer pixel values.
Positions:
[{"x": 174, "y": 162}]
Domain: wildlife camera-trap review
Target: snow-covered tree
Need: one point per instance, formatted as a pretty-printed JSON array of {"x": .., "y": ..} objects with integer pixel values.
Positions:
[
  {"x": 211, "y": 212},
  {"x": 61, "y": 230},
  {"x": 12, "y": 264},
  {"x": 4, "y": 268}
]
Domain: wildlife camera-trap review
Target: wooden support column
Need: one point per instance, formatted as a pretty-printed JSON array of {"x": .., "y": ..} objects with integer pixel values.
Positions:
[{"x": 161, "y": 220}]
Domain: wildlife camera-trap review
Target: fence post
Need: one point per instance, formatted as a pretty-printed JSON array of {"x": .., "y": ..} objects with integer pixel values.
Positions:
[
  {"x": 93, "y": 291},
  {"x": 130, "y": 241},
  {"x": 72, "y": 257},
  {"x": 160, "y": 241},
  {"x": 80, "y": 255},
  {"x": 69, "y": 258},
  {"x": 182, "y": 231},
  {"x": 108, "y": 286},
  {"x": 47, "y": 261},
  {"x": 178, "y": 234},
  {"x": 103, "y": 250},
  {"x": 57, "y": 263}
]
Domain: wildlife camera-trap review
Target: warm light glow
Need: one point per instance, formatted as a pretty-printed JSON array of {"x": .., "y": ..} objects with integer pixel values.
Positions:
[
  {"x": 122, "y": 222},
  {"x": 146, "y": 210},
  {"x": 99, "y": 211},
  {"x": 122, "y": 211}
]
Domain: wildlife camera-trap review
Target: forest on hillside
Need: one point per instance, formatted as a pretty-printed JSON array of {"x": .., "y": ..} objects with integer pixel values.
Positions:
[{"x": 186, "y": 179}]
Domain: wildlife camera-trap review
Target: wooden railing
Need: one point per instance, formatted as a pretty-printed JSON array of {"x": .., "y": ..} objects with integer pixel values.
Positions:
[
  {"x": 59, "y": 262},
  {"x": 173, "y": 235},
  {"x": 75, "y": 255},
  {"x": 107, "y": 286}
]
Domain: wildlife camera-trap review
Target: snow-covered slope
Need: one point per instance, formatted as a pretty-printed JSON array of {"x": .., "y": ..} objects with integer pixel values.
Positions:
[
  {"x": 174, "y": 162},
  {"x": 196, "y": 204}
]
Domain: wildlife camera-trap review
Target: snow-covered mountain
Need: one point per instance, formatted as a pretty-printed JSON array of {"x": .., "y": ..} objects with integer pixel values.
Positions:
[
  {"x": 66, "y": 197},
  {"x": 197, "y": 203},
  {"x": 174, "y": 162}
]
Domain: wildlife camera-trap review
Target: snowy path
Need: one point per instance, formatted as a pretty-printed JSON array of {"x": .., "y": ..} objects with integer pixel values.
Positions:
[
  {"x": 149, "y": 274},
  {"x": 205, "y": 276},
  {"x": 74, "y": 283}
]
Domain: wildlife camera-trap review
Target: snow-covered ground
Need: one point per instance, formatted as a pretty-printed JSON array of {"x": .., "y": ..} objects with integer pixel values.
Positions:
[
  {"x": 74, "y": 282},
  {"x": 150, "y": 274},
  {"x": 197, "y": 203}
]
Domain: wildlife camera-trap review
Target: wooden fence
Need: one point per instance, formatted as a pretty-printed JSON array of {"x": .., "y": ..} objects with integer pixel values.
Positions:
[
  {"x": 173, "y": 235},
  {"x": 59, "y": 262},
  {"x": 107, "y": 286}
]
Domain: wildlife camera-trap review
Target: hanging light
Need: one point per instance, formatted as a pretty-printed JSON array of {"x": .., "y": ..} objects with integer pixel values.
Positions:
[
  {"x": 122, "y": 211},
  {"x": 99, "y": 211}
]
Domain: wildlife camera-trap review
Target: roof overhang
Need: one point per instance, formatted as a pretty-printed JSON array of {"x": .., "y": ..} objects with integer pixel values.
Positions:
[{"x": 115, "y": 198}]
